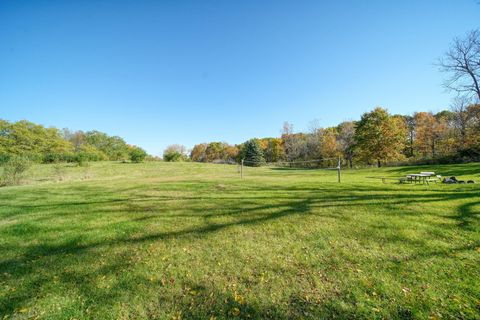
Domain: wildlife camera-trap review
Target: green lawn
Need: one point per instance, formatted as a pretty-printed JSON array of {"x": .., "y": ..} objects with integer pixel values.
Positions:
[{"x": 193, "y": 241}]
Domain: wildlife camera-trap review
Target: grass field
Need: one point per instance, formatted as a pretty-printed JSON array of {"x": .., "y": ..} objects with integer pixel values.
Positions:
[{"x": 193, "y": 241}]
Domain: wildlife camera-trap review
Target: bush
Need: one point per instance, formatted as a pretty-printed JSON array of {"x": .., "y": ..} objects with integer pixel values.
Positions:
[
  {"x": 82, "y": 158},
  {"x": 173, "y": 156},
  {"x": 57, "y": 157},
  {"x": 174, "y": 153},
  {"x": 137, "y": 154},
  {"x": 4, "y": 157},
  {"x": 14, "y": 170}
]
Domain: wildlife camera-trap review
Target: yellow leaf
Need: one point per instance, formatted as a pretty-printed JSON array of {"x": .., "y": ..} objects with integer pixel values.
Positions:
[{"x": 235, "y": 311}]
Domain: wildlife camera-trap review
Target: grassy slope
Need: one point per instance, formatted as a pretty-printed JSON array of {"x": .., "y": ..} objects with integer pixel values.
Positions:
[{"x": 160, "y": 240}]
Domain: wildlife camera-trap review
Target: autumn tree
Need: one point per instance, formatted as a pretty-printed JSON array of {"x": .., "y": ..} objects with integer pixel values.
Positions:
[
  {"x": 461, "y": 119},
  {"x": 295, "y": 144},
  {"x": 411, "y": 127},
  {"x": 346, "y": 140},
  {"x": 474, "y": 125},
  {"x": 231, "y": 153},
  {"x": 379, "y": 136},
  {"x": 329, "y": 147},
  {"x": 445, "y": 133},
  {"x": 309, "y": 146},
  {"x": 198, "y": 153},
  {"x": 431, "y": 134},
  {"x": 274, "y": 150}
]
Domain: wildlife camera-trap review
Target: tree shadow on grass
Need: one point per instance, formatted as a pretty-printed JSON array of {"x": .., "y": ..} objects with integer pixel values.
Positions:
[
  {"x": 21, "y": 266},
  {"x": 296, "y": 169},
  {"x": 30, "y": 265}
]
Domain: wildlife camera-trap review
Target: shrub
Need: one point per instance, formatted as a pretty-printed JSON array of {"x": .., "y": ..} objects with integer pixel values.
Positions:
[
  {"x": 173, "y": 156},
  {"x": 137, "y": 154},
  {"x": 82, "y": 158},
  {"x": 57, "y": 157},
  {"x": 4, "y": 157},
  {"x": 14, "y": 170},
  {"x": 174, "y": 153}
]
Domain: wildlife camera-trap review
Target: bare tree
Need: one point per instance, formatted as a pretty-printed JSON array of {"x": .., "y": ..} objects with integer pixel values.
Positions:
[
  {"x": 461, "y": 117},
  {"x": 287, "y": 129},
  {"x": 462, "y": 62},
  {"x": 411, "y": 125},
  {"x": 313, "y": 139},
  {"x": 346, "y": 140},
  {"x": 295, "y": 144}
]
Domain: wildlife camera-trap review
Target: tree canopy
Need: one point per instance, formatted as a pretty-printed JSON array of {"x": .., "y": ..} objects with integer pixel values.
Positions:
[{"x": 38, "y": 143}]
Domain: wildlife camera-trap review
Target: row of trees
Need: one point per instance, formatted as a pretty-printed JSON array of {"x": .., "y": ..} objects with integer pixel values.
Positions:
[
  {"x": 38, "y": 143},
  {"x": 377, "y": 138}
]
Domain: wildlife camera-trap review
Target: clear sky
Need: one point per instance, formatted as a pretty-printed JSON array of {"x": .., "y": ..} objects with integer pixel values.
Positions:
[{"x": 162, "y": 72}]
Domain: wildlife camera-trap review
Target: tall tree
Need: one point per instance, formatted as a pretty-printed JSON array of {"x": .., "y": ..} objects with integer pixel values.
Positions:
[
  {"x": 215, "y": 151},
  {"x": 198, "y": 153},
  {"x": 474, "y": 131},
  {"x": 431, "y": 137},
  {"x": 114, "y": 147},
  {"x": 461, "y": 119},
  {"x": 329, "y": 147},
  {"x": 462, "y": 63},
  {"x": 411, "y": 126},
  {"x": 380, "y": 136},
  {"x": 346, "y": 140},
  {"x": 274, "y": 150}
]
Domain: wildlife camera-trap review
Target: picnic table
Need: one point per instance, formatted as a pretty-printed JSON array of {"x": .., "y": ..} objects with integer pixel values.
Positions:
[
  {"x": 422, "y": 177},
  {"x": 417, "y": 177}
]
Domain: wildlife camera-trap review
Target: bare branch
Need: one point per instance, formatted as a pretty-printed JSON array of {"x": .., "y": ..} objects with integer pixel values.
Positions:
[{"x": 462, "y": 63}]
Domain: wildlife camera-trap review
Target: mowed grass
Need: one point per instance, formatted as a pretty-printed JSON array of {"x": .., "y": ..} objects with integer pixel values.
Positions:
[{"x": 193, "y": 241}]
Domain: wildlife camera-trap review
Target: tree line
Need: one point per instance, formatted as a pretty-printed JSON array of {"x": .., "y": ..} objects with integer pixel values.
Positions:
[
  {"x": 41, "y": 144},
  {"x": 377, "y": 138}
]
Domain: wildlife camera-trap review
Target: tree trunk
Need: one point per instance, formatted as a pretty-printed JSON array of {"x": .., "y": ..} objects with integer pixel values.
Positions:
[
  {"x": 379, "y": 163},
  {"x": 411, "y": 145}
]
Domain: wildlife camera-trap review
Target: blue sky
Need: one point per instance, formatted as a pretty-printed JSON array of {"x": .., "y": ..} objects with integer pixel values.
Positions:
[{"x": 162, "y": 72}]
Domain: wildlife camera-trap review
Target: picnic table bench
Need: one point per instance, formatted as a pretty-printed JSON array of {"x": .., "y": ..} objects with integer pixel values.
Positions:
[{"x": 389, "y": 178}]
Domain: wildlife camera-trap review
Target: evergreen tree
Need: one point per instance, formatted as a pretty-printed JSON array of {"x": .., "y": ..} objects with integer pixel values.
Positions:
[{"x": 252, "y": 153}]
